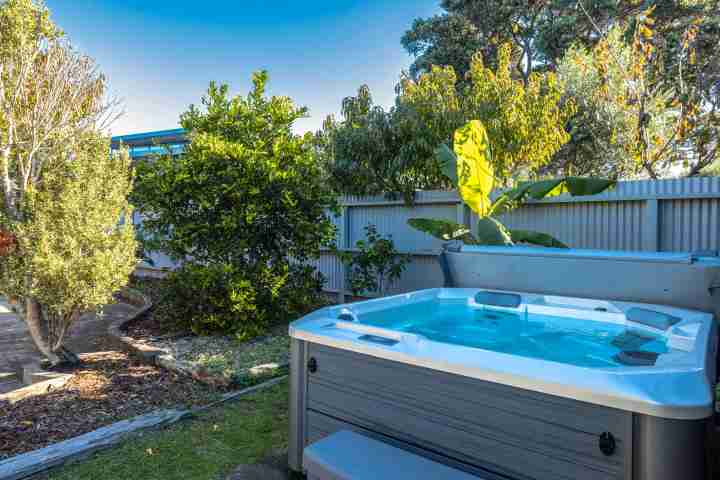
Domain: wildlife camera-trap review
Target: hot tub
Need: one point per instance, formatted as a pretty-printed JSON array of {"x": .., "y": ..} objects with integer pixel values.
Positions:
[{"x": 506, "y": 384}]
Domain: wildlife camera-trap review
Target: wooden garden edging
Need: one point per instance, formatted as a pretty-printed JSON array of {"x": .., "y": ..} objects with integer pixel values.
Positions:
[{"x": 27, "y": 464}]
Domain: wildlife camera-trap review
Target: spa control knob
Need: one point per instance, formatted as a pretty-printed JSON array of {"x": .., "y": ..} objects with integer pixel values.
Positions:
[
  {"x": 606, "y": 442},
  {"x": 312, "y": 365}
]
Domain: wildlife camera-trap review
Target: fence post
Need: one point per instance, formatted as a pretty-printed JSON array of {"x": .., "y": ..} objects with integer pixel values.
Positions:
[
  {"x": 651, "y": 226},
  {"x": 343, "y": 244},
  {"x": 462, "y": 214}
]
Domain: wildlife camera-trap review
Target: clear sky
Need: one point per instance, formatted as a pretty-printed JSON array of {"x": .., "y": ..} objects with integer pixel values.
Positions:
[{"x": 160, "y": 55}]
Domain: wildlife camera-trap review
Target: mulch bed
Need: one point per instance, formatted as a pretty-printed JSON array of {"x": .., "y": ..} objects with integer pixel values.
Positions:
[
  {"x": 145, "y": 327},
  {"x": 108, "y": 387}
]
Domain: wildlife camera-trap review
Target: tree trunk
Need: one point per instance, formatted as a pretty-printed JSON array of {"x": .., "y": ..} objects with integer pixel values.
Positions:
[{"x": 46, "y": 340}]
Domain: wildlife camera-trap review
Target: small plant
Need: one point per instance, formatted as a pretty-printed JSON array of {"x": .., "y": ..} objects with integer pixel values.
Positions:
[{"x": 376, "y": 264}]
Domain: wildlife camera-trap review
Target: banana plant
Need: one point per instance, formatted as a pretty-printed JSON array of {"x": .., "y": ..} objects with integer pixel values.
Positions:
[{"x": 469, "y": 166}]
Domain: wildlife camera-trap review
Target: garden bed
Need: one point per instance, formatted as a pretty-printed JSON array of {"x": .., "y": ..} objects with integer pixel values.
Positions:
[
  {"x": 108, "y": 387},
  {"x": 219, "y": 360}
]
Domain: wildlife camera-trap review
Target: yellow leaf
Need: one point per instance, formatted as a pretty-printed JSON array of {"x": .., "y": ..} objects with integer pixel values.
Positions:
[{"x": 476, "y": 177}]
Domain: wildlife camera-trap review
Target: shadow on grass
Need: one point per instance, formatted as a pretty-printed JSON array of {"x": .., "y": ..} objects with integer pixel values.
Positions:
[{"x": 207, "y": 447}]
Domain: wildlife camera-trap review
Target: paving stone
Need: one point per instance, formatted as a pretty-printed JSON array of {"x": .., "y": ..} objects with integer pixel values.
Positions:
[{"x": 273, "y": 467}]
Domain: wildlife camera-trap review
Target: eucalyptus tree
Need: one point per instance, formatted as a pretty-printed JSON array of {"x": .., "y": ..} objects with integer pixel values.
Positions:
[{"x": 65, "y": 246}]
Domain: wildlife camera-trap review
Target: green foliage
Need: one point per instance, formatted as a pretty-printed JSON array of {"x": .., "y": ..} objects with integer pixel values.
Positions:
[
  {"x": 471, "y": 26},
  {"x": 535, "y": 238},
  {"x": 524, "y": 122},
  {"x": 542, "y": 34},
  {"x": 72, "y": 253},
  {"x": 443, "y": 40},
  {"x": 242, "y": 300},
  {"x": 491, "y": 232},
  {"x": 474, "y": 171},
  {"x": 623, "y": 127},
  {"x": 475, "y": 178},
  {"x": 246, "y": 200},
  {"x": 443, "y": 229},
  {"x": 372, "y": 151},
  {"x": 63, "y": 252},
  {"x": 375, "y": 266}
]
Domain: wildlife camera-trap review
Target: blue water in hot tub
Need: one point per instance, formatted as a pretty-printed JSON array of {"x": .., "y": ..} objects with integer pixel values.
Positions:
[{"x": 574, "y": 341}]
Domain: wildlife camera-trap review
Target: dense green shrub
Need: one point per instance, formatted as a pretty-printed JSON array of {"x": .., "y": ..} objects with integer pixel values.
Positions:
[
  {"x": 245, "y": 301},
  {"x": 243, "y": 208}
]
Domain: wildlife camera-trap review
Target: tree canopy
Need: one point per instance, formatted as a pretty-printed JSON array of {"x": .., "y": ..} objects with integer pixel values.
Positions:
[
  {"x": 67, "y": 242},
  {"x": 245, "y": 207},
  {"x": 685, "y": 60}
]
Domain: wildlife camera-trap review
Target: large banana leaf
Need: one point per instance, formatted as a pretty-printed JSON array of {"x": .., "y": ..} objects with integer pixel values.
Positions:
[
  {"x": 536, "y": 238},
  {"x": 492, "y": 232},
  {"x": 539, "y": 189},
  {"x": 448, "y": 162},
  {"x": 474, "y": 171},
  {"x": 443, "y": 229},
  {"x": 578, "y": 186}
]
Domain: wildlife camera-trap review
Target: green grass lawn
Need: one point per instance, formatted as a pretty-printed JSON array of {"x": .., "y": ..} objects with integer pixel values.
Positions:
[{"x": 206, "y": 447}]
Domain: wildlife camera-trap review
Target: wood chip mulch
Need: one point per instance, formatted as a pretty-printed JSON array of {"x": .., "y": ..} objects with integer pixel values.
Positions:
[
  {"x": 145, "y": 327},
  {"x": 108, "y": 387}
]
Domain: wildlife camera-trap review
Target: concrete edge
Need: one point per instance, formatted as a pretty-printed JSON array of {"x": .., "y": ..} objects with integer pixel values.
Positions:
[
  {"x": 115, "y": 329},
  {"x": 77, "y": 448},
  {"x": 56, "y": 381},
  {"x": 198, "y": 373}
]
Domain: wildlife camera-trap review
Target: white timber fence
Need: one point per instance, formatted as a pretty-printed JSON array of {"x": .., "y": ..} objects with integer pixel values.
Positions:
[{"x": 680, "y": 215}]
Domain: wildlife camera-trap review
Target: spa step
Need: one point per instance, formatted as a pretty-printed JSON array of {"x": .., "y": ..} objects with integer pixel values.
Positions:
[{"x": 347, "y": 455}]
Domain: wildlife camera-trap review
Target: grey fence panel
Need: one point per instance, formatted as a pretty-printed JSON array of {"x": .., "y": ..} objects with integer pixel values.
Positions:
[
  {"x": 641, "y": 215},
  {"x": 690, "y": 225},
  {"x": 604, "y": 225},
  {"x": 333, "y": 271}
]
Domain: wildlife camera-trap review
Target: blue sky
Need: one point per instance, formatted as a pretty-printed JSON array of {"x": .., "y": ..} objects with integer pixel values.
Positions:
[{"x": 160, "y": 55}]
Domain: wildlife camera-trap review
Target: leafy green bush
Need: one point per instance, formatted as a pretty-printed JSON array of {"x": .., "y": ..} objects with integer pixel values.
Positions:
[
  {"x": 375, "y": 265},
  {"x": 245, "y": 208},
  {"x": 216, "y": 298},
  {"x": 374, "y": 151}
]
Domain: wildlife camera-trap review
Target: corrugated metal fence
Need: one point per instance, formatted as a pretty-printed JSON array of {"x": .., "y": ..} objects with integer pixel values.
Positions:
[{"x": 648, "y": 215}]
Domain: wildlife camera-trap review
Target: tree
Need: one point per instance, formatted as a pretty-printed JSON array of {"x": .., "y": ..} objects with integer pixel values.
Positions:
[
  {"x": 245, "y": 208},
  {"x": 375, "y": 265},
  {"x": 471, "y": 26},
  {"x": 632, "y": 119},
  {"x": 524, "y": 121},
  {"x": 542, "y": 32},
  {"x": 372, "y": 151},
  {"x": 444, "y": 40},
  {"x": 606, "y": 129},
  {"x": 64, "y": 197}
]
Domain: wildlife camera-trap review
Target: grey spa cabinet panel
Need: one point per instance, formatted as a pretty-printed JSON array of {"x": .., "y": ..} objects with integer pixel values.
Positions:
[
  {"x": 492, "y": 430},
  {"x": 501, "y": 429}
]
